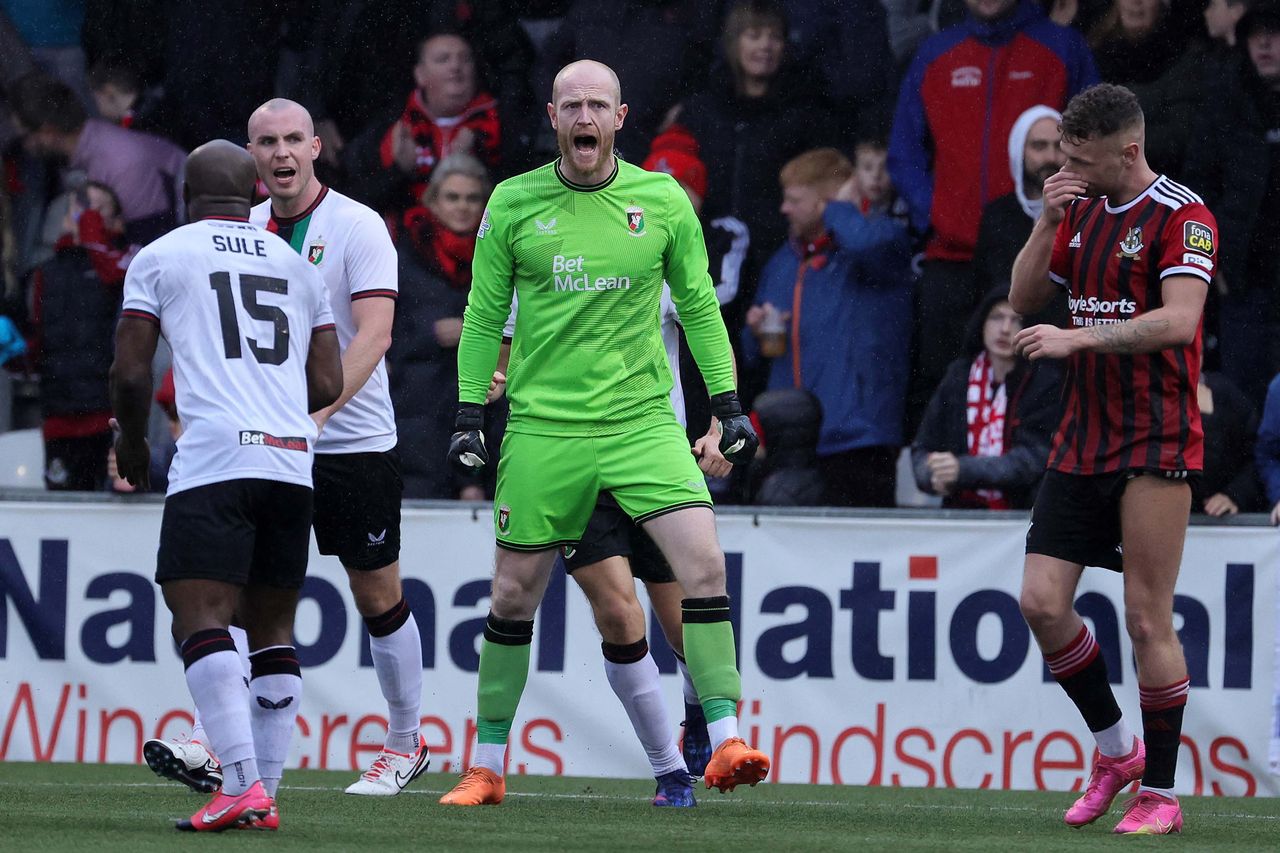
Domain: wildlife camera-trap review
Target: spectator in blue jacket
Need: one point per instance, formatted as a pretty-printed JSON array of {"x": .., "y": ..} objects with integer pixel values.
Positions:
[
  {"x": 833, "y": 311},
  {"x": 1267, "y": 450}
]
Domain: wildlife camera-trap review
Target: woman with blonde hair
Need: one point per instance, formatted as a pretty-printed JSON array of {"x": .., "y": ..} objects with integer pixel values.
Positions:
[{"x": 435, "y": 247}]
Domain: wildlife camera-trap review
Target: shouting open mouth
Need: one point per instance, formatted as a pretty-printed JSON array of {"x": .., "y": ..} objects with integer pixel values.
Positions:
[{"x": 585, "y": 144}]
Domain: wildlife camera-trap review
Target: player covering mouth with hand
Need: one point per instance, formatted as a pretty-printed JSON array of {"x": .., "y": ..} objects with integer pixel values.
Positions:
[{"x": 1136, "y": 252}]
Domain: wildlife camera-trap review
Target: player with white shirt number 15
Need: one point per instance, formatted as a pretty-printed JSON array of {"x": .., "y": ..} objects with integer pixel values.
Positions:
[
  {"x": 357, "y": 469},
  {"x": 254, "y": 350}
]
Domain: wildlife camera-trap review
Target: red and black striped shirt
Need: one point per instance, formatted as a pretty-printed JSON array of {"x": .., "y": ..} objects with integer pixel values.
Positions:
[{"x": 1131, "y": 411}]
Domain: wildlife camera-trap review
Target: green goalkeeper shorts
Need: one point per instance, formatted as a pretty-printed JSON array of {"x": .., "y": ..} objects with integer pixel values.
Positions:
[{"x": 547, "y": 484}]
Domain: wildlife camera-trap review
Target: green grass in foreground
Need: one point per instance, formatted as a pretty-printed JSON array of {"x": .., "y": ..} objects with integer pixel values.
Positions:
[{"x": 67, "y": 807}]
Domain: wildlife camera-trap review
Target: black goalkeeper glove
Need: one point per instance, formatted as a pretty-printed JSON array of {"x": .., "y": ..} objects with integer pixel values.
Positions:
[
  {"x": 738, "y": 440},
  {"x": 467, "y": 454}
]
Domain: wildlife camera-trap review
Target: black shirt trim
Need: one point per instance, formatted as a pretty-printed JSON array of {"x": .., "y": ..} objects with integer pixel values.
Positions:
[{"x": 586, "y": 188}]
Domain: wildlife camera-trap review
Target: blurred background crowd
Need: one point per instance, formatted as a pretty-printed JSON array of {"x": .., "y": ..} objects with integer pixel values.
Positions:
[{"x": 865, "y": 170}]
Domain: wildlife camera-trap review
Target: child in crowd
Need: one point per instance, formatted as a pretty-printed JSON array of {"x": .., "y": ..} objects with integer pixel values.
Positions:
[
  {"x": 121, "y": 97},
  {"x": 872, "y": 188},
  {"x": 75, "y": 301}
]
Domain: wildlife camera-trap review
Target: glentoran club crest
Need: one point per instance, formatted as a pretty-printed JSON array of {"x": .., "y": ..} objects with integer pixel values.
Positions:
[
  {"x": 315, "y": 252},
  {"x": 504, "y": 518},
  {"x": 1131, "y": 245},
  {"x": 635, "y": 220}
]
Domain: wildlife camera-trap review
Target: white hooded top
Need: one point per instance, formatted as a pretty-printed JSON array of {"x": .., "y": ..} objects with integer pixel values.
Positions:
[{"x": 1017, "y": 145}]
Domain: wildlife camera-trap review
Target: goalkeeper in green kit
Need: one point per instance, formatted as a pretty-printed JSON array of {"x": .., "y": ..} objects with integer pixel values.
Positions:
[{"x": 586, "y": 243}]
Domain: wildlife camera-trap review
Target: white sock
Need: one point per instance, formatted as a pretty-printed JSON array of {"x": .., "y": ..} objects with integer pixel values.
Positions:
[
  {"x": 216, "y": 682},
  {"x": 277, "y": 697},
  {"x": 686, "y": 683},
  {"x": 241, "y": 638},
  {"x": 1116, "y": 741},
  {"x": 491, "y": 756},
  {"x": 197, "y": 730},
  {"x": 239, "y": 776},
  {"x": 721, "y": 730},
  {"x": 638, "y": 688},
  {"x": 397, "y": 660},
  {"x": 1164, "y": 792}
]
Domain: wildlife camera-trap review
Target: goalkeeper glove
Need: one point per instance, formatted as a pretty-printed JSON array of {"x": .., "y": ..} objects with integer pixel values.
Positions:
[
  {"x": 738, "y": 440},
  {"x": 467, "y": 454}
]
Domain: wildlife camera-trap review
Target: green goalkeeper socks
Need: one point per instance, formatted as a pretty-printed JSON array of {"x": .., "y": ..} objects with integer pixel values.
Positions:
[
  {"x": 710, "y": 656},
  {"x": 504, "y": 668}
]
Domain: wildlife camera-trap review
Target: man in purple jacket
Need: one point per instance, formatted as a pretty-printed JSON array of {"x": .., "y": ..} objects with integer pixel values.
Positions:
[{"x": 145, "y": 172}]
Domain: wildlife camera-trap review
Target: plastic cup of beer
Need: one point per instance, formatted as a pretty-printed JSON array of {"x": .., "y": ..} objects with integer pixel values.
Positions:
[{"x": 773, "y": 333}]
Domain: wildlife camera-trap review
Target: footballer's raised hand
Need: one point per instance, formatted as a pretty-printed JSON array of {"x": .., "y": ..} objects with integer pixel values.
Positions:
[{"x": 1060, "y": 189}]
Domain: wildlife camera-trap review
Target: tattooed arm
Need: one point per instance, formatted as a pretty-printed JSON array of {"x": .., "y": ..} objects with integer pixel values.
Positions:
[
  {"x": 1173, "y": 324},
  {"x": 1141, "y": 334}
]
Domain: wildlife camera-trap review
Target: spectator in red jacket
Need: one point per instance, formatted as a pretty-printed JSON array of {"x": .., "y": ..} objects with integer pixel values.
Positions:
[
  {"x": 435, "y": 250},
  {"x": 446, "y": 113},
  {"x": 948, "y": 155}
]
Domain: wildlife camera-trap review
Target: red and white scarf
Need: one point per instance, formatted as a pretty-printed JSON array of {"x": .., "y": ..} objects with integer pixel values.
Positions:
[{"x": 984, "y": 412}]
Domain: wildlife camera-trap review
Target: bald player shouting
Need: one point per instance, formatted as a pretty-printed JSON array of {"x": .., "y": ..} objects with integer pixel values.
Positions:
[
  {"x": 586, "y": 243},
  {"x": 357, "y": 470},
  {"x": 254, "y": 351}
]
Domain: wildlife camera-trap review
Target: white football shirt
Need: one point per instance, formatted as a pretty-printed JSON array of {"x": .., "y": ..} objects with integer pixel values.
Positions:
[
  {"x": 349, "y": 244},
  {"x": 238, "y": 308}
]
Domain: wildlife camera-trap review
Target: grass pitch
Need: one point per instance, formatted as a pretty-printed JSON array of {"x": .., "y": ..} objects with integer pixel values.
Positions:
[{"x": 68, "y": 807}]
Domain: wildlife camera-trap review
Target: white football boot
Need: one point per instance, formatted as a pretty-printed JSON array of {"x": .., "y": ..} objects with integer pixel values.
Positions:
[
  {"x": 185, "y": 761},
  {"x": 390, "y": 773}
]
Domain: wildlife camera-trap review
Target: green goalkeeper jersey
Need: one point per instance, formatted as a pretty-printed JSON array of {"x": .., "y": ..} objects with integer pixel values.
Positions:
[{"x": 587, "y": 264}]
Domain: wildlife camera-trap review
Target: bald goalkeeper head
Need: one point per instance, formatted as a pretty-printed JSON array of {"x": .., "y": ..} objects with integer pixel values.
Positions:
[
  {"x": 219, "y": 181},
  {"x": 586, "y": 111}
]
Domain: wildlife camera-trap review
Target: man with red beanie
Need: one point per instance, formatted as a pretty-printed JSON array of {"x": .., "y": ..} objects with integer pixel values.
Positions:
[{"x": 675, "y": 152}]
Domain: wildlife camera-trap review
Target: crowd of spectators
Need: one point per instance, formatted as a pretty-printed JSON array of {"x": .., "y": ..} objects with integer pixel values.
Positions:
[{"x": 865, "y": 171}]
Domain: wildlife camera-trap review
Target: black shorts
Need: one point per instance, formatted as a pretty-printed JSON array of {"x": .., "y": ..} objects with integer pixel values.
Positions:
[
  {"x": 237, "y": 531},
  {"x": 1076, "y": 517},
  {"x": 612, "y": 533},
  {"x": 358, "y": 507}
]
